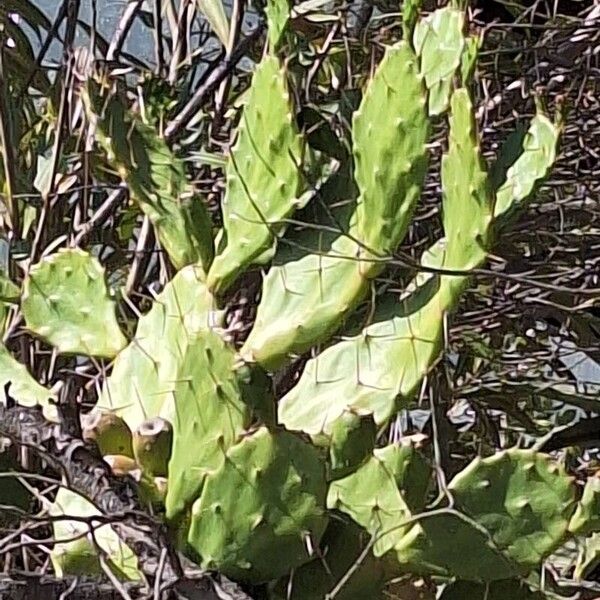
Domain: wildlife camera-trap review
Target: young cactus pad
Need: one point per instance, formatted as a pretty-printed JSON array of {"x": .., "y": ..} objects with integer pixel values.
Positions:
[
  {"x": 263, "y": 176},
  {"x": 522, "y": 498},
  {"x": 439, "y": 41},
  {"x": 65, "y": 301},
  {"x": 155, "y": 177},
  {"x": 389, "y": 135},
  {"x": 262, "y": 512},
  {"x": 383, "y": 493}
]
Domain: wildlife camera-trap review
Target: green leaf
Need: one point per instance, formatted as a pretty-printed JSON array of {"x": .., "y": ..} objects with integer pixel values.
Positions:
[{"x": 65, "y": 301}]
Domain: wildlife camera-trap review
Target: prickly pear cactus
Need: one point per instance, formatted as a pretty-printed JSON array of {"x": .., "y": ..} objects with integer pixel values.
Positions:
[
  {"x": 263, "y": 177},
  {"x": 143, "y": 374},
  {"x": 155, "y": 177},
  {"x": 304, "y": 301},
  {"x": 439, "y": 41},
  {"x": 522, "y": 498},
  {"x": 447, "y": 544},
  {"x": 389, "y": 133},
  {"x": 369, "y": 371},
  {"x": 386, "y": 362},
  {"x": 65, "y": 301},
  {"x": 383, "y": 493},
  {"x": 466, "y": 190},
  {"x": 9, "y": 292},
  {"x": 262, "y": 512},
  {"x": 179, "y": 368},
  {"x": 532, "y": 166},
  {"x": 77, "y": 541}
]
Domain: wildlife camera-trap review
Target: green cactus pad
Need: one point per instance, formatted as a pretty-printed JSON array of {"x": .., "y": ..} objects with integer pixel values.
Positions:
[
  {"x": 65, "y": 301},
  {"x": 262, "y": 512},
  {"x": 522, "y": 498},
  {"x": 389, "y": 134},
  {"x": 533, "y": 165},
  {"x": 352, "y": 442},
  {"x": 439, "y": 41},
  {"x": 387, "y": 360},
  {"x": 75, "y": 550},
  {"x": 108, "y": 431},
  {"x": 466, "y": 189},
  {"x": 383, "y": 493},
  {"x": 510, "y": 589},
  {"x": 341, "y": 547},
  {"x": 24, "y": 389},
  {"x": 179, "y": 368},
  {"x": 586, "y": 519},
  {"x": 263, "y": 176},
  {"x": 305, "y": 301},
  {"x": 156, "y": 179},
  {"x": 142, "y": 378}
]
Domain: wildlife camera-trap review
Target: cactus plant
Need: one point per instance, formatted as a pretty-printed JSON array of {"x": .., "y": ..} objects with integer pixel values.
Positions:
[
  {"x": 9, "y": 292},
  {"x": 383, "y": 493},
  {"x": 389, "y": 358},
  {"x": 439, "y": 41},
  {"x": 499, "y": 590},
  {"x": 522, "y": 498},
  {"x": 532, "y": 166},
  {"x": 65, "y": 302},
  {"x": 180, "y": 369},
  {"x": 288, "y": 320},
  {"x": 77, "y": 542},
  {"x": 262, "y": 511},
  {"x": 389, "y": 135},
  {"x": 509, "y": 512},
  {"x": 263, "y": 177},
  {"x": 586, "y": 519},
  {"x": 155, "y": 177}
]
